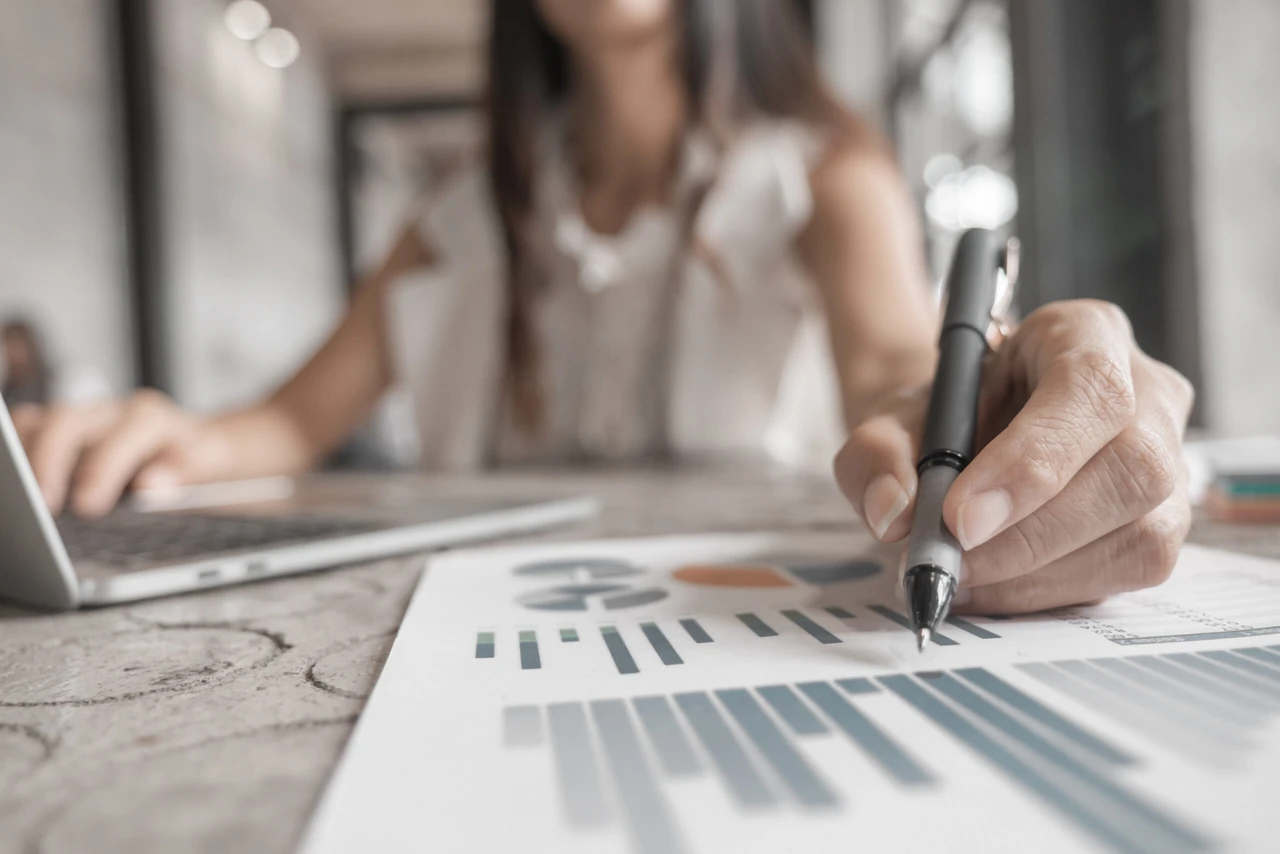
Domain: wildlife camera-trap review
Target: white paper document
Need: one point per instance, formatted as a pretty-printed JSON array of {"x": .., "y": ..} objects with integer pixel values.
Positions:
[{"x": 760, "y": 693}]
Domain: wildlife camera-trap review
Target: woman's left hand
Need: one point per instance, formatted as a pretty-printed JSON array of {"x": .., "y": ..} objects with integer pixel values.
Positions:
[{"x": 1079, "y": 490}]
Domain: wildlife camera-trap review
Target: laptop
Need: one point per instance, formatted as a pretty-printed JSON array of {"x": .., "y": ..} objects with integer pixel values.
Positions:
[{"x": 139, "y": 552}]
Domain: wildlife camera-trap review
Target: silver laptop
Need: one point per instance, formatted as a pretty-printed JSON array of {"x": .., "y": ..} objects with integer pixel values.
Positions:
[{"x": 139, "y": 553}]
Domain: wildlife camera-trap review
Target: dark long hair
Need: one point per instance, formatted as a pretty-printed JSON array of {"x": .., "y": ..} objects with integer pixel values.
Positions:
[
  {"x": 741, "y": 60},
  {"x": 35, "y": 387}
]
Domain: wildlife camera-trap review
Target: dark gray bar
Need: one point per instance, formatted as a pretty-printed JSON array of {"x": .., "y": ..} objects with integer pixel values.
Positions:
[
  {"x": 695, "y": 630},
  {"x": 890, "y": 614},
  {"x": 1150, "y": 820},
  {"x": 1263, "y": 655},
  {"x": 857, "y": 686},
  {"x": 1042, "y": 714},
  {"x": 972, "y": 628},
  {"x": 757, "y": 625},
  {"x": 815, "y": 631},
  {"x": 1137, "y": 694},
  {"x": 484, "y": 645},
  {"x": 839, "y": 613},
  {"x": 618, "y": 649},
  {"x": 675, "y": 752},
  {"x": 648, "y": 817},
  {"x": 1010, "y": 764},
  {"x": 864, "y": 733},
  {"x": 1225, "y": 674},
  {"x": 796, "y": 772},
  {"x": 792, "y": 709},
  {"x": 666, "y": 652},
  {"x": 521, "y": 726},
  {"x": 1229, "y": 692},
  {"x": 580, "y": 785},
  {"x": 735, "y": 767}
]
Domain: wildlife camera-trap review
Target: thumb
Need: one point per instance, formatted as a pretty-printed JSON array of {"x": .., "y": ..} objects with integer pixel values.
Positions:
[{"x": 877, "y": 474}]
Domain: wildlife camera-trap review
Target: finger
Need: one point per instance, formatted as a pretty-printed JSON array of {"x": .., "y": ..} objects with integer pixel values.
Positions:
[
  {"x": 1139, "y": 555},
  {"x": 57, "y": 445},
  {"x": 26, "y": 422},
  {"x": 106, "y": 469},
  {"x": 1083, "y": 398},
  {"x": 876, "y": 469},
  {"x": 1126, "y": 480}
]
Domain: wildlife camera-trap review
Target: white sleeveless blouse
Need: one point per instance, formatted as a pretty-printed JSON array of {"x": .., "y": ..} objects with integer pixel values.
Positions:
[{"x": 644, "y": 352}]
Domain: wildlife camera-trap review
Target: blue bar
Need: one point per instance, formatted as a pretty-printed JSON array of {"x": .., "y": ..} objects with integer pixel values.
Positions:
[
  {"x": 529, "y": 658},
  {"x": 794, "y": 770},
  {"x": 1149, "y": 819},
  {"x": 882, "y": 749},
  {"x": 653, "y": 830},
  {"x": 618, "y": 649},
  {"x": 666, "y": 652},
  {"x": 1207, "y": 704},
  {"x": 1042, "y": 714},
  {"x": 1010, "y": 764},
  {"x": 1225, "y": 674},
  {"x": 735, "y": 767},
  {"x": 857, "y": 686},
  {"x": 695, "y": 630},
  {"x": 816, "y": 631},
  {"x": 1265, "y": 675},
  {"x": 521, "y": 726},
  {"x": 792, "y": 710},
  {"x": 973, "y": 629},
  {"x": 1259, "y": 654},
  {"x": 675, "y": 752},
  {"x": 890, "y": 614},
  {"x": 1232, "y": 694},
  {"x": 581, "y": 788},
  {"x": 757, "y": 625}
]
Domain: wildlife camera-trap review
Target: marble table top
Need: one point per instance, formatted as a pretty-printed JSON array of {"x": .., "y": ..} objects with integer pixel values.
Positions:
[{"x": 210, "y": 722}]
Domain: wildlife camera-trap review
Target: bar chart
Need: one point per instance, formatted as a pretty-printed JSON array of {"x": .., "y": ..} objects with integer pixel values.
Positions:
[
  {"x": 823, "y": 625},
  {"x": 750, "y": 740}
]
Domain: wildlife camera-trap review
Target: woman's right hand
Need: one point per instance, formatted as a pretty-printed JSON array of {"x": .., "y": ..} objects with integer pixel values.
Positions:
[{"x": 86, "y": 456}]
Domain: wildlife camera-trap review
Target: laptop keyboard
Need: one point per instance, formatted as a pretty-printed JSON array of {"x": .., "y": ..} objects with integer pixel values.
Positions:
[{"x": 131, "y": 540}]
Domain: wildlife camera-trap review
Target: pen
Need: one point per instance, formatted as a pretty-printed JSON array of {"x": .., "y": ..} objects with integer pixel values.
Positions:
[{"x": 933, "y": 554}]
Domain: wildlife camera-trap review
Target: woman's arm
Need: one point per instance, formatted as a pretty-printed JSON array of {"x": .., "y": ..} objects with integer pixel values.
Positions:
[
  {"x": 864, "y": 248},
  {"x": 92, "y": 453}
]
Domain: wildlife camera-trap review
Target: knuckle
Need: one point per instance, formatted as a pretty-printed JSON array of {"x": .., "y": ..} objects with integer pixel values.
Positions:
[
  {"x": 1159, "y": 536},
  {"x": 1037, "y": 470},
  {"x": 1149, "y": 464},
  {"x": 1106, "y": 382},
  {"x": 148, "y": 401}
]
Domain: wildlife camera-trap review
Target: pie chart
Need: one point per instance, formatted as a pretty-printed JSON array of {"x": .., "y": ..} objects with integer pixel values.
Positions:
[{"x": 589, "y": 597}]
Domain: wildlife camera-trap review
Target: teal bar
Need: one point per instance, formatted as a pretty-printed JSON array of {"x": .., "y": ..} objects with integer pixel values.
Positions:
[
  {"x": 864, "y": 733},
  {"x": 757, "y": 625},
  {"x": 484, "y": 645},
  {"x": 815, "y": 631},
  {"x": 792, "y": 710},
  {"x": 792, "y": 768},
  {"x": 649, "y": 819},
  {"x": 569, "y": 635},
  {"x": 529, "y": 657},
  {"x": 618, "y": 649},
  {"x": 857, "y": 686},
  {"x": 1043, "y": 715},
  {"x": 695, "y": 630},
  {"x": 890, "y": 614},
  {"x": 675, "y": 752},
  {"x": 736, "y": 768},
  {"x": 666, "y": 652},
  {"x": 839, "y": 613},
  {"x": 972, "y": 628}
]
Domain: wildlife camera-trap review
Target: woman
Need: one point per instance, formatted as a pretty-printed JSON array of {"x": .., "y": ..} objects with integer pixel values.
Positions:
[{"x": 682, "y": 247}]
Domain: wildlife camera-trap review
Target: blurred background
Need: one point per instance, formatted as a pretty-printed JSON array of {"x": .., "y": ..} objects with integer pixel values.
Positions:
[{"x": 188, "y": 188}]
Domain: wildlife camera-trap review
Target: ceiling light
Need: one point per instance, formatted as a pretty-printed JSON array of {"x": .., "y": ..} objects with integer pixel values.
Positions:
[
  {"x": 247, "y": 19},
  {"x": 277, "y": 48}
]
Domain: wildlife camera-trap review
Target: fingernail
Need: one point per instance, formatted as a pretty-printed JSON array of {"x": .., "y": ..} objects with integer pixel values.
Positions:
[
  {"x": 883, "y": 503},
  {"x": 981, "y": 516}
]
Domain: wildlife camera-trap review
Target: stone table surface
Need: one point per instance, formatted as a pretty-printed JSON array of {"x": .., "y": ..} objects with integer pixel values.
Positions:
[{"x": 210, "y": 722}]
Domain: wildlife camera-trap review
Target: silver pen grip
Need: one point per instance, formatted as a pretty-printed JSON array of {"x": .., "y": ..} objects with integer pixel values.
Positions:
[{"x": 930, "y": 543}]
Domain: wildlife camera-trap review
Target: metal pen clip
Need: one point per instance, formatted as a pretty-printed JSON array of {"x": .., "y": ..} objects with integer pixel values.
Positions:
[{"x": 1003, "y": 319}]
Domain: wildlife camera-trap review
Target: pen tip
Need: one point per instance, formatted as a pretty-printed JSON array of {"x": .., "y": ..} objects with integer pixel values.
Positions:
[{"x": 922, "y": 638}]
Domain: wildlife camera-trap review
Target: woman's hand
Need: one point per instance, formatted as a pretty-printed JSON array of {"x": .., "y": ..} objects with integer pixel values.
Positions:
[
  {"x": 1079, "y": 490},
  {"x": 86, "y": 456}
]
